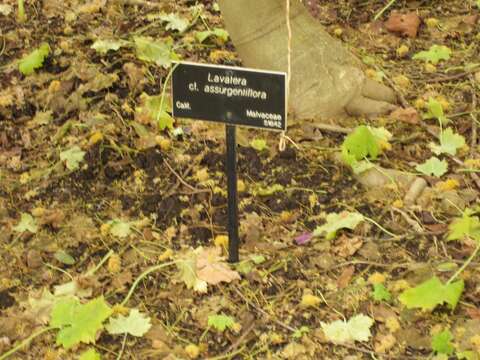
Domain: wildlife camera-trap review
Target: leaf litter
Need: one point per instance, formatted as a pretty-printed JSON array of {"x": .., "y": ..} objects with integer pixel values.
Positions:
[{"x": 103, "y": 193}]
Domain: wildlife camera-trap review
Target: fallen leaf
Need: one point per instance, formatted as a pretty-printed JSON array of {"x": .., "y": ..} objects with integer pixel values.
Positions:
[
  {"x": 404, "y": 24},
  {"x": 409, "y": 115},
  {"x": 212, "y": 269}
]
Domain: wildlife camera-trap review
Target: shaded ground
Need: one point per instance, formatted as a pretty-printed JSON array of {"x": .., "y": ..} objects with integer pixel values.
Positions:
[{"x": 172, "y": 190}]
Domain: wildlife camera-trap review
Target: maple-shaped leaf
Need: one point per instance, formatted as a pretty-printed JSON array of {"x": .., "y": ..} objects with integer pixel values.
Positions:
[
  {"x": 174, "y": 22},
  {"x": 355, "y": 329},
  {"x": 187, "y": 272},
  {"x": 449, "y": 143},
  {"x": 104, "y": 46},
  {"x": 38, "y": 307},
  {"x": 90, "y": 354},
  {"x": 435, "y": 111},
  {"x": 335, "y": 222},
  {"x": 218, "y": 33},
  {"x": 155, "y": 110},
  {"x": 466, "y": 226},
  {"x": 34, "y": 60},
  {"x": 359, "y": 145},
  {"x": 212, "y": 268},
  {"x": 72, "y": 157},
  {"x": 381, "y": 293},
  {"x": 432, "y": 293},
  {"x": 119, "y": 228},
  {"x": 154, "y": 51},
  {"x": 433, "y": 166},
  {"x": 79, "y": 322},
  {"x": 435, "y": 54},
  {"x": 221, "y": 322},
  {"x": 259, "y": 144},
  {"x": 442, "y": 343},
  {"x": 27, "y": 223},
  {"x": 136, "y": 324}
]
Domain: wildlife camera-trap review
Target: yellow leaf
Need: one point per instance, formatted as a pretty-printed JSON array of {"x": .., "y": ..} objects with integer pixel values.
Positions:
[
  {"x": 96, "y": 137},
  {"x": 450, "y": 184},
  {"x": 167, "y": 254},
  {"x": 221, "y": 241},
  {"x": 310, "y": 300},
  {"x": 402, "y": 51},
  {"x": 114, "y": 264},
  {"x": 376, "y": 278},
  {"x": 192, "y": 350}
]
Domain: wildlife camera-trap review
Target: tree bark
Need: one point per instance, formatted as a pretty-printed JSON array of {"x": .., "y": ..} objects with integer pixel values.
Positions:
[{"x": 326, "y": 80}]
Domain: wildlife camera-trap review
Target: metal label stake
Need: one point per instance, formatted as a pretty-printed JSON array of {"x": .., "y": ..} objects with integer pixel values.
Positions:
[{"x": 236, "y": 97}]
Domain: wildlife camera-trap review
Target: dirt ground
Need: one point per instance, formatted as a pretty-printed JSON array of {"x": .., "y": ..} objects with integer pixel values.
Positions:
[{"x": 141, "y": 196}]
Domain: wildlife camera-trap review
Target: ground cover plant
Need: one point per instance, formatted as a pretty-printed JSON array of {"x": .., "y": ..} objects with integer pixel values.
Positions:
[{"x": 359, "y": 241}]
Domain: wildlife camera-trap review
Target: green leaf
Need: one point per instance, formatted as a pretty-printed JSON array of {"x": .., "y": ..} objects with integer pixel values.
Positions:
[
  {"x": 466, "y": 226},
  {"x": 335, "y": 222},
  {"x": 381, "y": 293},
  {"x": 220, "y": 322},
  {"x": 433, "y": 166},
  {"x": 119, "y": 228},
  {"x": 78, "y": 322},
  {"x": 269, "y": 190},
  {"x": 63, "y": 257},
  {"x": 432, "y": 293},
  {"x": 435, "y": 111},
  {"x": 298, "y": 333},
  {"x": 468, "y": 355},
  {"x": 90, "y": 354},
  {"x": 220, "y": 34},
  {"x": 435, "y": 54},
  {"x": 449, "y": 143},
  {"x": 158, "y": 52},
  {"x": 104, "y": 46},
  {"x": 34, "y": 60},
  {"x": 155, "y": 110},
  {"x": 174, "y": 22},
  {"x": 258, "y": 144},
  {"x": 72, "y": 157},
  {"x": 355, "y": 329},
  {"x": 442, "y": 343},
  {"x": 136, "y": 324},
  {"x": 27, "y": 223},
  {"x": 187, "y": 272},
  {"x": 359, "y": 145}
]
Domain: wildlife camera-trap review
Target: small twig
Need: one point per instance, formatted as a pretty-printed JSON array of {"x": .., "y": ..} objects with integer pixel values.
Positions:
[
  {"x": 179, "y": 177},
  {"x": 416, "y": 226},
  {"x": 332, "y": 128},
  {"x": 120, "y": 354},
  {"x": 25, "y": 342},
  {"x": 446, "y": 78},
  {"x": 474, "y": 138},
  {"x": 141, "y": 277},
  {"x": 381, "y": 12},
  {"x": 464, "y": 266},
  {"x": 237, "y": 342}
]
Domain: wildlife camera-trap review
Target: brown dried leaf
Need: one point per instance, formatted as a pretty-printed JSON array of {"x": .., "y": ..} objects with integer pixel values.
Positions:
[
  {"x": 409, "y": 115},
  {"x": 212, "y": 269},
  {"x": 347, "y": 246},
  {"x": 405, "y": 24},
  {"x": 345, "y": 277}
]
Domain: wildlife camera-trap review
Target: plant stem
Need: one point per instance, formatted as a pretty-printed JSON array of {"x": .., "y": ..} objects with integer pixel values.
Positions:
[
  {"x": 99, "y": 265},
  {"x": 384, "y": 9},
  {"x": 123, "y": 347},
  {"x": 25, "y": 342},
  {"x": 464, "y": 266},
  {"x": 21, "y": 11},
  {"x": 141, "y": 277}
]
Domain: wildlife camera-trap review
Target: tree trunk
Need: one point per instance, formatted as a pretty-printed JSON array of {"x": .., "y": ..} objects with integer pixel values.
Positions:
[{"x": 326, "y": 79}]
